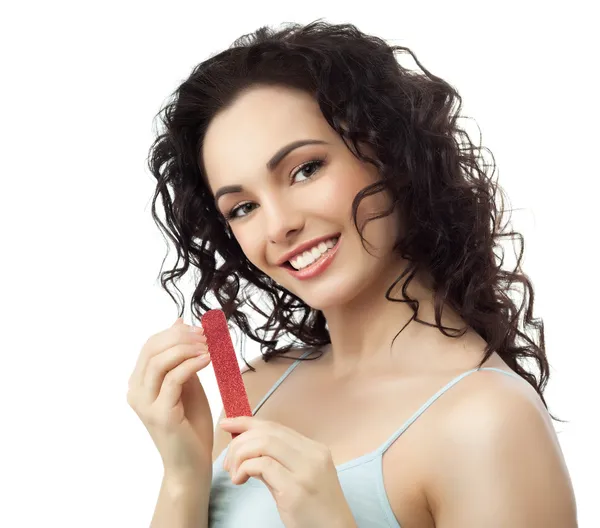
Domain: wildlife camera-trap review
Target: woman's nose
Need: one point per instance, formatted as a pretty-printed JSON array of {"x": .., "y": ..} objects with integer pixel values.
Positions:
[{"x": 282, "y": 222}]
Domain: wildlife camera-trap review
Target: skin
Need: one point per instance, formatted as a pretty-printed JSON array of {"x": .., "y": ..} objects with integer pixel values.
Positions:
[
  {"x": 280, "y": 215},
  {"x": 470, "y": 483}
]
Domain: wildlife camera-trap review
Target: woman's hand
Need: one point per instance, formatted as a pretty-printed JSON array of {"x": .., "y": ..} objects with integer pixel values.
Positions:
[
  {"x": 166, "y": 394},
  {"x": 299, "y": 472}
]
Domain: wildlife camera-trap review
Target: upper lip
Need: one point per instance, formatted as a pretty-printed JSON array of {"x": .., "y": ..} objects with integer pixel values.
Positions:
[{"x": 303, "y": 247}]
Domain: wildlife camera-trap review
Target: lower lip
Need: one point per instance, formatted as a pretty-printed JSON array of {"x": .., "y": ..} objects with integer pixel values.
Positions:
[{"x": 317, "y": 267}]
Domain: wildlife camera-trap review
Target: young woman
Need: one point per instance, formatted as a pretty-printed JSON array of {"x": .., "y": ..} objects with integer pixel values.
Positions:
[{"x": 310, "y": 177}]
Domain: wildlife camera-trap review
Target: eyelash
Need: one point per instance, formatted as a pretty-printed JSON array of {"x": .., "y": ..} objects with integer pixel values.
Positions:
[{"x": 317, "y": 163}]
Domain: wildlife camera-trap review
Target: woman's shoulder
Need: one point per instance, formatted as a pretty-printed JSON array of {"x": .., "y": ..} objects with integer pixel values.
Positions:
[
  {"x": 490, "y": 394},
  {"x": 267, "y": 372},
  {"x": 264, "y": 370},
  {"x": 261, "y": 376},
  {"x": 498, "y": 436},
  {"x": 487, "y": 396},
  {"x": 500, "y": 450}
]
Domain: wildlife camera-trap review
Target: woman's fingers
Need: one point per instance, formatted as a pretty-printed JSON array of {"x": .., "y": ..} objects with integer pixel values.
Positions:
[
  {"x": 171, "y": 387},
  {"x": 271, "y": 446},
  {"x": 177, "y": 334},
  {"x": 160, "y": 364},
  {"x": 281, "y": 443},
  {"x": 180, "y": 424}
]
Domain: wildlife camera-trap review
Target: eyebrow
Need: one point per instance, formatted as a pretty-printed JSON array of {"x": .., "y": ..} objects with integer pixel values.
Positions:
[{"x": 272, "y": 163}]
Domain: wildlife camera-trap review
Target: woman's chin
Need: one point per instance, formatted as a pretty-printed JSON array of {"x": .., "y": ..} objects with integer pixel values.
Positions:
[{"x": 327, "y": 296}]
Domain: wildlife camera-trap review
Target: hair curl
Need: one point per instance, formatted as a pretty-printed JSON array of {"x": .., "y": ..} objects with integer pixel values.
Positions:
[{"x": 427, "y": 163}]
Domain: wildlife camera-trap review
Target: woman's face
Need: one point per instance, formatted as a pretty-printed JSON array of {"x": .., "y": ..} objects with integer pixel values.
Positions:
[{"x": 307, "y": 195}]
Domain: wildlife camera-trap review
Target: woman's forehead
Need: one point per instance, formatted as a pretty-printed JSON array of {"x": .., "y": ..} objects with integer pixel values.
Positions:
[{"x": 246, "y": 135}]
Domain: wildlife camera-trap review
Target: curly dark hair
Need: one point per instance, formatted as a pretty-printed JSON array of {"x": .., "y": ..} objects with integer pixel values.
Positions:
[{"x": 451, "y": 223}]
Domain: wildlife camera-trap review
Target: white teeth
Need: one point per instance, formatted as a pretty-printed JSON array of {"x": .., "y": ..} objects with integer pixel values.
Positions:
[
  {"x": 308, "y": 257},
  {"x": 302, "y": 261}
]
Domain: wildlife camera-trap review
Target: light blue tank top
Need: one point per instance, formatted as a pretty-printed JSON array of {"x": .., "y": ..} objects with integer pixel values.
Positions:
[{"x": 251, "y": 505}]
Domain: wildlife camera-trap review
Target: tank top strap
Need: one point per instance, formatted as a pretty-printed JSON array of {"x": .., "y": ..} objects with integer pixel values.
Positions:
[
  {"x": 426, "y": 405},
  {"x": 280, "y": 380}
]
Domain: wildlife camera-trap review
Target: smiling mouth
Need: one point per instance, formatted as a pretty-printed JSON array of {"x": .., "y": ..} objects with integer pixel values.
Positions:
[
  {"x": 287, "y": 264},
  {"x": 307, "y": 271}
]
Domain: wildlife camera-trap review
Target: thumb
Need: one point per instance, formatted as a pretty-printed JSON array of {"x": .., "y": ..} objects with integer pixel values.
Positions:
[{"x": 178, "y": 321}]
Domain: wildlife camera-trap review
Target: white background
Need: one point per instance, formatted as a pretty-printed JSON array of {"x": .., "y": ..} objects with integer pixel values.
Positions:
[{"x": 80, "y": 85}]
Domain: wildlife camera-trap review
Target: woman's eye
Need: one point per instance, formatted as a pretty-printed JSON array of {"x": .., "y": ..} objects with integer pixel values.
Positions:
[
  {"x": 315, "y": 164},
  {"x": 234, "y": 212}
]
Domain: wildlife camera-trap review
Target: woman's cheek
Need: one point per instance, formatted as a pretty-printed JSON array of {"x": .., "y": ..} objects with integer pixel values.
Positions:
[{"x": 338, "y": 190}]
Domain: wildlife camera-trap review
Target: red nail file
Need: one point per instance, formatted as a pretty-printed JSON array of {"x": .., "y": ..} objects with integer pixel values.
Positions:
[{"x": 225, "y": 364}]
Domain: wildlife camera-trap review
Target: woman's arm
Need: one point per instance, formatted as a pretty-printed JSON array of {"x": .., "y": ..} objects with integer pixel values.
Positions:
[
  {"x": 182, "y": 504},
  {"x": 501, "y": 464}
]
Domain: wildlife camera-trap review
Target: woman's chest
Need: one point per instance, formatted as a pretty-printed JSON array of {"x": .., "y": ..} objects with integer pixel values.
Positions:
[{"x": 359, "y": 420}]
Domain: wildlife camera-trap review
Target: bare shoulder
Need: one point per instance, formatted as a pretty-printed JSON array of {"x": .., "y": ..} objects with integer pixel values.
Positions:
[
  {"x": 500, "y": 462},
  {"x": 257, "y": 382}
]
